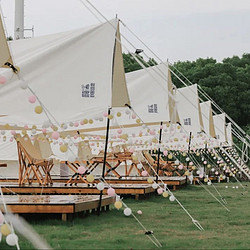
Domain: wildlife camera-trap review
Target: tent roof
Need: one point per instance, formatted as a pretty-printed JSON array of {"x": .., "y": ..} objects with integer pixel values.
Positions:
[{"x": 71, "y": 73}]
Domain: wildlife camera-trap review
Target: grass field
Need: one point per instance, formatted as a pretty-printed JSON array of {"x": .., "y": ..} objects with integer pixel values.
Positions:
[{"x": 172, "y": 227}]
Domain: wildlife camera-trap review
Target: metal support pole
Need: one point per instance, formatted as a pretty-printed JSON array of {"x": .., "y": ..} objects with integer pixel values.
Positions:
[
  {"x": 189, "y": 143},
  {"x": 159, "y": 152},
  {"x": 104, "y": 161}
]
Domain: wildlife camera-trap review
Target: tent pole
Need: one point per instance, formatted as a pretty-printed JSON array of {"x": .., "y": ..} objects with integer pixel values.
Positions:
[
  {"x": 104, "y": 162},
  {"x": 189, "y": 143},
  {"x": 159, "y": 151}
]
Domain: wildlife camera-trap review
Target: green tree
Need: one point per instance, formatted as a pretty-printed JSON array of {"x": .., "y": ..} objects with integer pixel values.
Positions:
[{"x": 228, "y": 83}]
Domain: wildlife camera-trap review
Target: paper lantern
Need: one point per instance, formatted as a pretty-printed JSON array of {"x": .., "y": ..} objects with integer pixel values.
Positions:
[
  {"x": 12, "y": 239},
  {"x": 160, "y": 191},
  {"x": 131, "y": 150},
  {"x": 38, "y": 109},
  {"x": 32, "y": 99},
  {"x": 165, "y": 194},
  {"x": 170, "y": 156},
  {"x": 206, "y": 180},
  {"x": 138, "y": 121},
  {"x": 3, "y": 80},
  {"x": 111, "y": 192},
  {"x": 118, "y": 205},
  {"x": 180, "y": 167},
  {"x": 127, "y": 211},
  {"x": 144, "y": 173},
  {"x": 209, "y": 183},
  {"x": 100, "y": 186},
  {"x": 165, "y": 152},
  {"x": 5, "y": 229},
  {"x": 81, "y": 170},
  {"x": 150, "y": 180},
  {"x": 172, "y": 198},
  {"x": 55, "y": 135},
  {"x": 139, "y": 166},
  {"x": 118, "y": 114},
  {"x": 110, "y": 117},
  {"x": 119, "y": 131},
  {"x": 139, "y": 212},
  {"x": 90, "y": 178},
  {"x": 13, "y": 132},
  {"x": 133, "y": 116},
  {"x": 63, "y": 148}
]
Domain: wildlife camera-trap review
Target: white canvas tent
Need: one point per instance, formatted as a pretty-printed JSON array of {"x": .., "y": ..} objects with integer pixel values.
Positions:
[
  {"x": 207, "y": 117},
  {"x": 148, "y": 92},
  {"x": 75, "y": 75},
  {"x": 188, "y": 107},
  {"x": 229, "y": 134},
  {"x": 220, "y": 127}
]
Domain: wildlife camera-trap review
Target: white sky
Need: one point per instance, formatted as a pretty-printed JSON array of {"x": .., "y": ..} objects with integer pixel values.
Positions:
[{"x": 173, "y": 29}]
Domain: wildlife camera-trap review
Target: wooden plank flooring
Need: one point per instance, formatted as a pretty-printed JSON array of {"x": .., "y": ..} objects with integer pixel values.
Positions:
[
  {"x": 60, "y": 188},
  {"x": 172, "y": 180},
  {"x": 62, "y": 204}
]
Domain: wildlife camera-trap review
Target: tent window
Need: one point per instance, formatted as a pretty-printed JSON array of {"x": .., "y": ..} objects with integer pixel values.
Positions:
[
  {"x": 153, "y": 108},
  {"x": 187, "y": 121},
  {"x": 88, "y": 90}
]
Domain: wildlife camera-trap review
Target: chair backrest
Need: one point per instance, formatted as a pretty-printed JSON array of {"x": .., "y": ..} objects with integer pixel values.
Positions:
[
  {"x": 43, "y": 146},
  {"x": 140, "y": 157},
  {"x": 29, "y": 147},
  {"x": 148, "y": 157},
  {"x": 84, "y": 151},
  {"x": 116, "y": 149}
]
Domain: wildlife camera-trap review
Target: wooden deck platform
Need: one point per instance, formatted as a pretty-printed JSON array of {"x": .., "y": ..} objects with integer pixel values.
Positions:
[
  {"x": 67, "y": 205},
  {"x": 173, "y": 181},
  {"x": 60, "y": 188}
]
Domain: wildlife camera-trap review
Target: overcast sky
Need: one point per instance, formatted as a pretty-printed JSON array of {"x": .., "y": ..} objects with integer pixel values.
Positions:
[{"x": 173, "y": 29}]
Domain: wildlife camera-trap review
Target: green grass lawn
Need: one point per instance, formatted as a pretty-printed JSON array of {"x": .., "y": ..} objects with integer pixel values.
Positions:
[{"x": 172, "y": 227}]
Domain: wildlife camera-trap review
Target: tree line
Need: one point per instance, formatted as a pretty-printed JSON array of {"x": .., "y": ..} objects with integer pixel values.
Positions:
[{"x": 226, "y": 82}]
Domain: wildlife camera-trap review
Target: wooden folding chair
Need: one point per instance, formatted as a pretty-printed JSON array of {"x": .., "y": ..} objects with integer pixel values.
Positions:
[
  {"x": 32, "y": 166},
  {"x": 92, "y": 161},
  {"x": 168, "y": 168}
]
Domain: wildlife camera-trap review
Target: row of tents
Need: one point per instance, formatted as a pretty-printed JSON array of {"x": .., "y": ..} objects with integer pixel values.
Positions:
[{"x": 71, "y": 82}]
